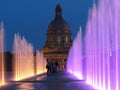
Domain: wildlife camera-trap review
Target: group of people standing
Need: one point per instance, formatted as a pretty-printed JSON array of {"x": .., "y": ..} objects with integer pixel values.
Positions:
[{"x": 52, "y": 66}]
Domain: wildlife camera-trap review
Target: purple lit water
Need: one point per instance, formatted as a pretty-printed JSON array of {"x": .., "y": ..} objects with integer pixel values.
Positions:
[
  {"x": 102, "y": 46},
  {"x": 74, "y": 62}
]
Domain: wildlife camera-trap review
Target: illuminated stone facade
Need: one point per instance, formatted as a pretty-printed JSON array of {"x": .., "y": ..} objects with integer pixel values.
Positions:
[{"x": 58, "y": 40}]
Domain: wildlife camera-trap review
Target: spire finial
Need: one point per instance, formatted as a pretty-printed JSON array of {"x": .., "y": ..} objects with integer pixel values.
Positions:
[{"x": 58, "y": 11}]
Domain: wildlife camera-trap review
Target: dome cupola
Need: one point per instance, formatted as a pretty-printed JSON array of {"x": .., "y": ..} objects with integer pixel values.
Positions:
[{"x": 58, "y": 31}]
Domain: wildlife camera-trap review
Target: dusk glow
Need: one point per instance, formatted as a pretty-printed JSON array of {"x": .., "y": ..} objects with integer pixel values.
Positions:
[
  {"x": 94, "y": 57},
  {"x": 23, "y": 59},
  {"x": 2, "y": 68}
]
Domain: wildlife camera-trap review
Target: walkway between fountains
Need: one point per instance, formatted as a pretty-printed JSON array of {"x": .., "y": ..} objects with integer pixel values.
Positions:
[{"x": 59, "y": 81}]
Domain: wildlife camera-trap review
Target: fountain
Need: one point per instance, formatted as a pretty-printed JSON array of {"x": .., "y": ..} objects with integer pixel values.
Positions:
[
  {"x": 74, "y": 62},
  {"x": 2, "y": 76},
  {"x": 40, "y": 63},
  {"x": 23, "y": 59},
  {"x": 102, "y": 47}
]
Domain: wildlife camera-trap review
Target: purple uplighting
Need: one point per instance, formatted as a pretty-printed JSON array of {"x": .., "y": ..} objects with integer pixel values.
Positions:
[
  {"x": 74, "y": 62},
  {"x": 102, "y": 47}
]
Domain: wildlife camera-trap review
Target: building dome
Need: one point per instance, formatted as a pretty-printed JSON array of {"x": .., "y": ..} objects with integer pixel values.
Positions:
[
  {"x": 58, "y": 23},
  {"x": 58, "y": 33},
  {"x": 58, "y": 39}
]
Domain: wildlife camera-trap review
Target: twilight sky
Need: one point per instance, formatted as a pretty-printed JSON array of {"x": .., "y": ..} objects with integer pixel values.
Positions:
[{"x": 30, "y": 18}]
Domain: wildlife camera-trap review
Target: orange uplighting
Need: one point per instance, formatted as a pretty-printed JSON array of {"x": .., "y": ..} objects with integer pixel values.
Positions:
[
  {"x": 40, "y": 63},
  {"x": 2, "y": 76},
  {"x": 23, "y": 59}
]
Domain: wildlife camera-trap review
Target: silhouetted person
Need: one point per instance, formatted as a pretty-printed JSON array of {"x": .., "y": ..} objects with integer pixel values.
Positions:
[
  {"x": 57, "y": 65},
  {"x": 48, "y": 66},
  {"x": 53, "y": 67}
]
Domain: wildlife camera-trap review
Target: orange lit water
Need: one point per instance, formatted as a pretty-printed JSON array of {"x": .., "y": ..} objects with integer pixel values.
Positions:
[{"x": 2, "y": 76}]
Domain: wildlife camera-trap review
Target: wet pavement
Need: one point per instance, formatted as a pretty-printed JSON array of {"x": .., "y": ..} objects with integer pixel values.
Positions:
[{"x": 59, "y": 81}]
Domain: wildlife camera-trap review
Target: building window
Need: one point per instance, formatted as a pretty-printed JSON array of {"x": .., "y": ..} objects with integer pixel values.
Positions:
[
  {"x": 58, "y": 39},
  {"x": 66, "y": 39}
]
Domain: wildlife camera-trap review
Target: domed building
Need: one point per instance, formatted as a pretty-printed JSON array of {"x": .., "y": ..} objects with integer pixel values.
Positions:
[{"x": 58, "y": 40}]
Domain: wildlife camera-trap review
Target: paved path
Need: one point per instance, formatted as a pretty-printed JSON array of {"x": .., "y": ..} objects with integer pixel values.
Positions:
[{"x": 59, "y": 81}]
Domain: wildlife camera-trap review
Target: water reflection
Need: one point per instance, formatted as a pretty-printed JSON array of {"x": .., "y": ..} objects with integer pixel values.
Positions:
[{"x": 59, "y": 81}]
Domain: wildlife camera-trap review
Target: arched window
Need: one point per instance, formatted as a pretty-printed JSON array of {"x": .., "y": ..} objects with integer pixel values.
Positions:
[{"x": 66, "y": 39}]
